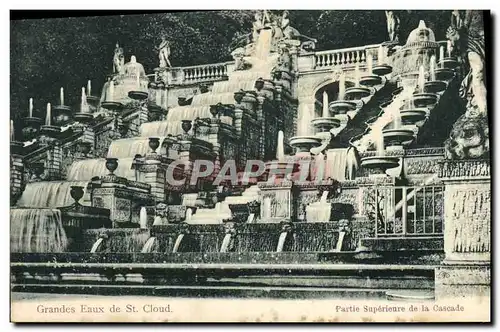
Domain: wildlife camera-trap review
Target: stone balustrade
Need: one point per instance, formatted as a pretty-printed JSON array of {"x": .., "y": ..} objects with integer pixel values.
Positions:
[
  {"x": 345, "y": 57},
  {"x": 199, "y": 74}
]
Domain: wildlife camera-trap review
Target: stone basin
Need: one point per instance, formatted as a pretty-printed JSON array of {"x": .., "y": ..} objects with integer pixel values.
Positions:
[
  {"x": 397, "y": 91},
  {"x": 138, "y": 95},
  {"x": 84, "y": 117},
  {"x": 51, "y": 131},
  {"x": 304, "y": 143},
  {"x": 112, "y": 105},
  {"x": 444, "y": 74},
  {"x": 382, "y": 70},
  {"x": 448, "y": 62},
  {"x": 435, "y": 86},
  {"x": 398, "y": 137},
  {"x": 424, "y": 99},
  {"x": 411, "y": 116},
  {"x": 357, "y": 92},
  {"x": 341, "y": 106},
  {"x": 325, "y": 124},
  {"x": 380, "y": 163},
  {"x": 370, "y": 80}
]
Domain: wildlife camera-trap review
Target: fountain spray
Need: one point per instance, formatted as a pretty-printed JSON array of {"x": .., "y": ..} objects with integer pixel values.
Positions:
[
  {"x": 280, "y": 149},
  {"x": 61, "y": 96},
  {"x": 89, "y": 86},
  {"x": 380, "y": 57},
  {"x": 448, "y": 48},
  {"x": 421, "y": 79},
  {"x": 356, "y": 74},
  {"x": 111, "y": 90},
  {"x": 83, "y": 106},
  {"x": 143, "y": 218},
  {"x": 325, "y": 104},
  {"x": 441, "y": 53},
  {"x": 342, "y": 86},
  {"x": 432, "y": 68},
  {"x": 31, "y": 108},
  {"x": 378, "y": 140},
  {"x": 48, "y": 116},
  {"x": 12, "y": 134},
  {"x": 138, "y": 79},
  {"x": 369, "y": 64}
]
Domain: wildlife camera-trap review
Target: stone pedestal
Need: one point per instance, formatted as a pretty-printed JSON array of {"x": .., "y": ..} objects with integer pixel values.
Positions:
[
  {"x": 153, "y": 173},
  {"x": 465, "y": 271},
  {"x": 123, "y": 198}
]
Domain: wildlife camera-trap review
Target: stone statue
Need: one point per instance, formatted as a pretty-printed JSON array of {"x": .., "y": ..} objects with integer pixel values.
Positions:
[
  {"x": 467, "y": 41},
  {"x": 164, "y": 53},
  {"x": 469, "y": 138},
  {"x": 257, "y": 26},
  {"x": 118, "y": 60},
  {"x": 291, "y": 33},
  {"x": 393, "y": 24}
]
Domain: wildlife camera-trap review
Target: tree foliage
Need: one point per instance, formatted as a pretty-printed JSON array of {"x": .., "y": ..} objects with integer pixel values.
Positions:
[{"x": 47, "y": 54}]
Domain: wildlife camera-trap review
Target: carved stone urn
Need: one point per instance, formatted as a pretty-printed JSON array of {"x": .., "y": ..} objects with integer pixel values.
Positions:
[
  {"x": 111, "y": 165},
  {"x": 76, "y": 193},
  {"x": 186, "y": 125},
  {"x": 154, "y": 143}
]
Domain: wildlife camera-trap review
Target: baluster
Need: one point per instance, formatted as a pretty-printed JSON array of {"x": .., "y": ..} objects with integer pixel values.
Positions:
[
  {"x": 342, "y": 58},
  {"x": 318, "y": 61},
  {"x": 357, "y": 56},
  {"x": 348, "y": 57},
  {"x": 187, "y": 74},
  {"x": 329, "y": 60},
  {"x": 363, "y": 56},
  {"x": 335, "y": 59}
]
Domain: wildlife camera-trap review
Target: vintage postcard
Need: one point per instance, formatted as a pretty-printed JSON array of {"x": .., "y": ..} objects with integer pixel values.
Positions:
[{"x": 250, "y": 166}]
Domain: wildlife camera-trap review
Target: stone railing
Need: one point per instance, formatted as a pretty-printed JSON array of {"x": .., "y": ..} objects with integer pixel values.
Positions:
[
  {"x": 199, "y": 74},
  {"x": 344, "y": 57}
]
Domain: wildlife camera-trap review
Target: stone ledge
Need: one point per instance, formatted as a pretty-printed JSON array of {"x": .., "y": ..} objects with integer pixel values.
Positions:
[{"x": 462, "y": 169}]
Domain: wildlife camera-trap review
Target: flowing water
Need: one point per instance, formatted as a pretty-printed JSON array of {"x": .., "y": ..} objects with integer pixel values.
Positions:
[
  {"x": 421, "y": 79},
  {"x": 149, "y": 245},
  {"x": 281, "y": 242},
  {"x": 177, "y": 243},
  {"x": 319, "y": 211},
  {"x": 85, "y": 170},
  {"x": 225, "y": 243},
  {"x": 37, "y": 230},
  {"x": 50, "y": 194},
  {"x": 342, "y": 85}
]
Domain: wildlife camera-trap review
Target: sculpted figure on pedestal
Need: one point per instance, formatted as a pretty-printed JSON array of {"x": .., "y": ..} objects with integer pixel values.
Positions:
[
  {"x": 164, "y": 53},
  {"x": 118, "y": 60},
  {"x": 393, "y": 24}
]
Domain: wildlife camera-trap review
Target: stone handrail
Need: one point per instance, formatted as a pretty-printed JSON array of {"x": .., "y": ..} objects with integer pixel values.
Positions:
[
  {"x": 199, "y": 74},
  {"x": 343, "y": 57}
]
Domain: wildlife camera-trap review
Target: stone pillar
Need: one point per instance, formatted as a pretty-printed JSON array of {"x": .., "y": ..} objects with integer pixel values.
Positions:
[
  {"x": 153, "y": 173},
  {"x": 465, "y": 270}
]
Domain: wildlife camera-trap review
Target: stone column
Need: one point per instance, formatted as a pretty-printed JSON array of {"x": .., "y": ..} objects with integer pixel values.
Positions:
[{"x": 465, "y": 270}]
